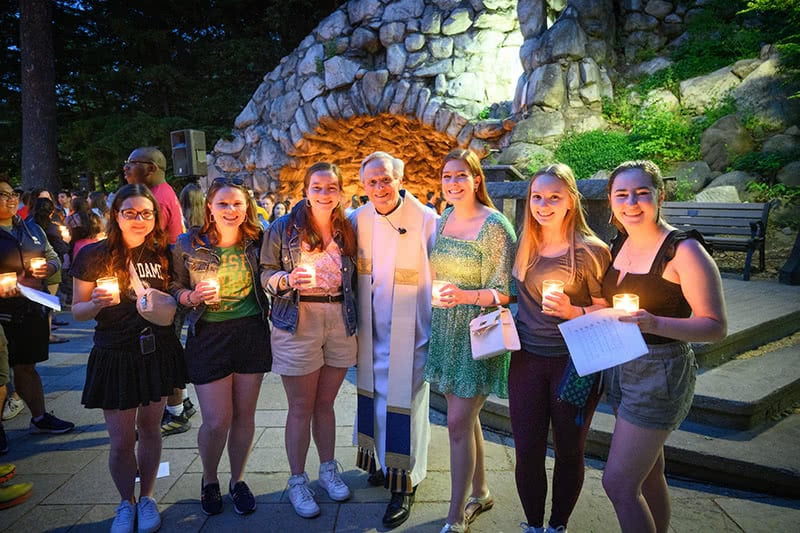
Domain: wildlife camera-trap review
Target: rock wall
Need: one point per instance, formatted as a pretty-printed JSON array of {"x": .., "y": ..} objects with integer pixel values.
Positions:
[{"x": 409, "y": 77}]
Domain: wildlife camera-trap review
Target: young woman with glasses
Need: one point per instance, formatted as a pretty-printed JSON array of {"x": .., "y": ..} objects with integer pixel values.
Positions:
[
  {"x": 308, "y": 266},
  {"x": 215, "y": 274},
  {"x": 134, "y": 364}
]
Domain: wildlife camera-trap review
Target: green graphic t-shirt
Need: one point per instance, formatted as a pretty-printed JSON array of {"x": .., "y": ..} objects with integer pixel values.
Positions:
[{"x": 235, "y": 287}]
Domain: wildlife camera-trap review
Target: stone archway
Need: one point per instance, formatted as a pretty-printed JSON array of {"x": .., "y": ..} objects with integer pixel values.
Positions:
[{"x": 411, "y": 77}]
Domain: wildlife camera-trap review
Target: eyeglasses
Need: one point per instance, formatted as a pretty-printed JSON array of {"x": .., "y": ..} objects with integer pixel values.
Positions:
[
  {"x": 239, "y": 182},
  {"x": 136, "y": 162},
  {"x": 133, "y": 214},
  {"x": 9, "y": 196}
]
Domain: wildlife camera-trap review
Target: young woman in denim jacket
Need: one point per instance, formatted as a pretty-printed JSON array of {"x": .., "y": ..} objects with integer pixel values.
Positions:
[
  {"x": 224, "y": 317},
  {"x": 307, "y": 265}
]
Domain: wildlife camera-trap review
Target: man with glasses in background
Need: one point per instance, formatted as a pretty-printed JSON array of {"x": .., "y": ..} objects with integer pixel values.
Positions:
[{"x": 147, "y": 165}]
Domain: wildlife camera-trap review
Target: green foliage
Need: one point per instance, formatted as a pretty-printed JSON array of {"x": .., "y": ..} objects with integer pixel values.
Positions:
[
  {"x": 594, "y": 150},
  {"x": 663, "y": 136},
  {"x": 764, "y": 192},
  {"x": 484, "y": 113},
  {"x": 764, "y": 164},
  {"x": 619, "y": 110},
  {"x": 535, "y": 162},
  {"x": 683, "y": 191}
]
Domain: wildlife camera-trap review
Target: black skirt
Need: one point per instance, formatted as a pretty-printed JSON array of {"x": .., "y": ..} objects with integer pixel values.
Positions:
[{"x": 123, "y": 378}]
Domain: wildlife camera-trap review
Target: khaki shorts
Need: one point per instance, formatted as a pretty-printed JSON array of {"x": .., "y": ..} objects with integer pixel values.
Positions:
[
  {"x": 654, "y": 391},
  {"x": 320, "y": 339}
]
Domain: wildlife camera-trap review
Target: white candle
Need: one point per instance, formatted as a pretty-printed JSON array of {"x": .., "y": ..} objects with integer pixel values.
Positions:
[
  {"x": 8, "y": 281},
  {"x": 436, "y": 292},
  {"x": 214, "y": 282},
  {"x": 38, "y": 262},
  {"x": 626, "y": 302},
  {"x": 110, "y": 285},
  {"x": 64, "y": 232},
  {"x": 550, "y": 286},
  {"x": 311, "y": 271}
]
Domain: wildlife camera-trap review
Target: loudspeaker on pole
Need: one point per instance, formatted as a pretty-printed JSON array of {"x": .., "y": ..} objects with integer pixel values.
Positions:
[{"x": 188, "y": 153}]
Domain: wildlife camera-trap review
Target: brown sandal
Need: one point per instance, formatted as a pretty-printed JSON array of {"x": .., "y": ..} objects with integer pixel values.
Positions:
[{"x": 476, "y": 506}]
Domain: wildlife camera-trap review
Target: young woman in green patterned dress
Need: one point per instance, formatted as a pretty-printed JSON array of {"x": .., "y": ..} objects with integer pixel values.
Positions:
[{"x": 474, "y": 252}]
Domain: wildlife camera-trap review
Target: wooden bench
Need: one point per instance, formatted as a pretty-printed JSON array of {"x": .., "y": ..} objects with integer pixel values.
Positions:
[{"x": 738, "y": 227}]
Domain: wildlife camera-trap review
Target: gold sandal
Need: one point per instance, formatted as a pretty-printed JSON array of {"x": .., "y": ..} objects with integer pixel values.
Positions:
[{"x": 476, "y": 506}]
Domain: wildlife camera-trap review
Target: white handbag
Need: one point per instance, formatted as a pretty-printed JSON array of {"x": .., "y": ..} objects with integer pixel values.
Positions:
[{"x": 493, "y": 334}]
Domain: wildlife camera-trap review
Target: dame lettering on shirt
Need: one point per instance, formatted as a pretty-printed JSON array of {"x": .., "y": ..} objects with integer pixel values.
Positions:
[{"x": 149, "y": 270}]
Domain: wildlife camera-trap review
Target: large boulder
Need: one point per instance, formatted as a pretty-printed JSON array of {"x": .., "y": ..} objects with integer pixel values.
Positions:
[
  {"x": 704, "y": 91},
  {"x": 785, "y": 144},
  {"x": 790, "y": 174},
  {"x": 722, "y": 194},
  {"x": 736, "y": 178},
  {"x": 522, "y": 155},
  {"x": 726, "y": 139},
  {"x": 764, "y": 95},
  {"x": 541, "y": 126},
  {"x": 696, "y": 173}
]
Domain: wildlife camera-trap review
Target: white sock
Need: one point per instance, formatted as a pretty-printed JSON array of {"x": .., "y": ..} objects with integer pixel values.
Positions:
[{"x": 175, "y": 410}]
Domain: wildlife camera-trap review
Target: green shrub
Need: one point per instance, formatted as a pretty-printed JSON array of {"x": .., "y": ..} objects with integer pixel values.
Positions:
[
  {"x": 620, "y": 111},
  {"x": 764, "y": 192},
  {"x": 683, "y": 191},
  {"x": 764, "y": 164},
  {"x": 663, "y": 136},
  {"x": 588, "y": 152}
]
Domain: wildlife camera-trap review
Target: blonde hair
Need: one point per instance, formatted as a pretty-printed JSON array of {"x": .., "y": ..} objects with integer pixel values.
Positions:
[{"x": 576, "y": 230}]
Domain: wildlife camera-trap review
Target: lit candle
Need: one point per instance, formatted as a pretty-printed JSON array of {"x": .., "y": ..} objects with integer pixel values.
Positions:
[
  {"x": 311, "y": 271},
  {"x": 8, "y": 281},
  {"x": 626, "y": 302},
  {"x": 111, "y": 286},
  {"x": 436, "y": 292},
  {"x": 550, "y": 286},
  {"x": 38, "y": 262},
  {"x": 64, "y": 232},
  {"x": 214, "y": 282}
]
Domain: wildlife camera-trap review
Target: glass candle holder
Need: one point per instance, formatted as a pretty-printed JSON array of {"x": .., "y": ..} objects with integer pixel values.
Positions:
[
  {"x": 8, "y": 281},
  {"x": 37, "y": 262},
  {"x": 436, "y": 292},
  {"x": 214, "y": 282},
  {"x": 311, "y": 271},
  {"x": 110, "y": 285},
  {"x": 626, "y": 302},
  {"x": 550, "y": 286}
]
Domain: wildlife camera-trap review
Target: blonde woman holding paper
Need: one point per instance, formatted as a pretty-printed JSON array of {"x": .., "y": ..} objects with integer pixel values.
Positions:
[
  {"x": 680, "y": 301},
  {"x": 558, "y": 270}
]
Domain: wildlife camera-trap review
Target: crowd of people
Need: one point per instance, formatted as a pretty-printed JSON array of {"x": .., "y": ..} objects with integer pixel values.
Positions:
[{"x": 295, "y": 284}]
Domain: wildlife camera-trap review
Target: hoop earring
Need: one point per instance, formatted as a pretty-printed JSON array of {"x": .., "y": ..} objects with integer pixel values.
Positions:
[
  {"x": 308, "y": 203},
  {"x": 611, "y": 218}
]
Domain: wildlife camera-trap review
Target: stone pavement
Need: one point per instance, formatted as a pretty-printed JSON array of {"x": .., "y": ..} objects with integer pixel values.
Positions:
[{"x": 74, "y": 492}]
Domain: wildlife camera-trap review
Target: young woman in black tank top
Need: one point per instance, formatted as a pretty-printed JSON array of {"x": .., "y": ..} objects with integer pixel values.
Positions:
[{"x": 681, "y": 301}]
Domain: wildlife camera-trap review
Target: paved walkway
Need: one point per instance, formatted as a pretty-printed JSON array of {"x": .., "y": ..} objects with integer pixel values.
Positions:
[{"x": 74, "y": 492}]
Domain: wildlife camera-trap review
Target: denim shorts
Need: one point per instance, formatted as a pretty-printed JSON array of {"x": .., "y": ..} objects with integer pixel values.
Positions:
[{"x": 654, "y": 391}]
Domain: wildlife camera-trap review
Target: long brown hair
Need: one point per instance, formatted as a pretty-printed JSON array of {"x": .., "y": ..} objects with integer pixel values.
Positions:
[
  {"x": 576, "y": 230},
  {"x": 250, "y": 228},
  {"x": 119, "y": 255},
  {"x": 474, "y": 165},
  {"x": 647, "y": 168},
  {"x": 301, "y": 215}
]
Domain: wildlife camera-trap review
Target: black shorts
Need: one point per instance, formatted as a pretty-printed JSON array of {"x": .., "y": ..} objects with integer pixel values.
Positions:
[
  {"x": 219, "y": 349},
  {"x": 28, "y": 335}
]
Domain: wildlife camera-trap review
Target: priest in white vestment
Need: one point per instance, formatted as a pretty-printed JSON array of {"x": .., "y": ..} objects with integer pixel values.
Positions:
[{"x": 395, "y": 233}]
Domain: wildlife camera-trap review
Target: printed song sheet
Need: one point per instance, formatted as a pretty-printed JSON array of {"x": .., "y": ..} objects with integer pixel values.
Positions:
[
  {"x": 40, "y": 297},
  {"x": 598, "y": 340}
]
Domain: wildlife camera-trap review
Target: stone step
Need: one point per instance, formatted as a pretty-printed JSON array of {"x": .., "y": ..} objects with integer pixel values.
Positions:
[
  {"x": 742, "y": 394},
  {"x": 762, "y": 459}
]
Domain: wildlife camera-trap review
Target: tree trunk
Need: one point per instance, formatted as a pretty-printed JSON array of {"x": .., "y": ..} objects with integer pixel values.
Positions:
[{"x": 39, "y": 140}]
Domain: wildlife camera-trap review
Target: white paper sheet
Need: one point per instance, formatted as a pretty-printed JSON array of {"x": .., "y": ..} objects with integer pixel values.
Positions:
[
  {"x": 40, "y": 297},
  {"x": 598, "y": 340},
  {"x": 163, "y": 471}
]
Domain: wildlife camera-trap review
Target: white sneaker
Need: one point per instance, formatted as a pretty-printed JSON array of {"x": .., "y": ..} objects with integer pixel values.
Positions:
[
  {"x": 331, "y": 480},
  {"x": 13, "y": 407},
  {"x": 302, "y": 497},
  {"x": 149, "y": 519},
  {"x": 126, "y": 516}
]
